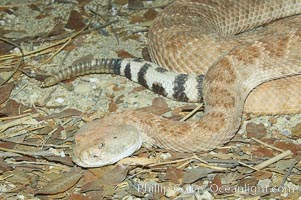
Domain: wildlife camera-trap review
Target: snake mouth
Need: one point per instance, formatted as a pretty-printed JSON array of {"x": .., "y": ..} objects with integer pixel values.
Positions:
[{"x": 91, "y": 158}]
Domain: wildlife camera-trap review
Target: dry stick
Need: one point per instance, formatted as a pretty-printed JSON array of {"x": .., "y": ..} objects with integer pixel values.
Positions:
[
  {"x": 21, "y": 4},
  {"x": 19, "y": 62},
  {"x": 272, "y": 160},
  {"x": 57, "y": 51},
  {"x": 39, "y": 163},
  {"x": 249, "y": 166},
  {"x": 170, "y": 162},
  {"x": 14, "y": 117},
  {"x": 153, "y": 7},
  {"x": 6, "y": 177},
  {"x": 17, "y": 122},
  {"x": 191, "y": 113},
  {"x": 46, "y": 49},
  {"x": 36, "y": 145},
  {"x": 51, "y": 132},
  {"x": 33, "y": 154},
  {"x": 203, "y": 165},
  {"x": 68, "y": 40},
  {"x": 188, "y": 160},
  {"x": 267, "y": 145},
  {"x": 288, "y": 173}
]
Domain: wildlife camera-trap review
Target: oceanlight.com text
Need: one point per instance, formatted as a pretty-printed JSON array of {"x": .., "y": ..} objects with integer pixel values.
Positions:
[{"x": 213, "y": 188}]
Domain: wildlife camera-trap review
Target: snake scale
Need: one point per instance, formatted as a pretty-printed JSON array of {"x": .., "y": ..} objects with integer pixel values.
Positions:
[{"x": 217, "y": 51}]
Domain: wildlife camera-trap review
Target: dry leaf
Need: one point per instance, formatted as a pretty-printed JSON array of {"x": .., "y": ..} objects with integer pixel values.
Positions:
[
  {"x": 158, "y": 107},
  {"x": 142, "y": 161},
  {"x": 295, "y": 148},
  {"x": 88, "y": 176},
  {"x": 260, "y": 175},
  {"x": 4, "y": 166},
  {"x": 296, "y": 131},
  {"x": 113, "y": 107},
  {"x": 256, "y": 130},
  {"x": 75, "y": 21},
  {"x": 150, "y": 15},
  {"x": 283, "y": 165},
  {"x": 249, "y": 181},
  {"x": 82, "y": 3},
  {"x": 108, "y": 190},
  {"x": 136, "y": 19},
  {"x": 135, "y": 4},
  {"x": 231, "y": 177},
  {"x": 121, "y": 2},
  {"x": 83, "y": 59},
  {"x": 174, "y": 175},
  {"x": 110, "y": 177},
  {"x": 137, "y": 89},
  {"x": 216, "y": 182},
  {"x": 65, "y": 113},
  {"x": 192, "y": 175},
  {"x": 263, "y": 152},
  {"x": 124, "y": 54},
  {"x": 5, "y": 91},
  {"x": 58, "y": 29},
  {"x": 95, "y": 195},
  {"x": 61, "y": 184},
  {"x": 115, "y": 176},
  {"x": 63, "y": 160},
  {"x": 77, "y": 197},
  {"x": 17, "y": 177},
  {"x": 13, "y": 108}
]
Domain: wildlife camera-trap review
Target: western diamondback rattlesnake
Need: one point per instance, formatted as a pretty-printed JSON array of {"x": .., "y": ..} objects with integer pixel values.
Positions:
[{"x": 188, "y": 37}]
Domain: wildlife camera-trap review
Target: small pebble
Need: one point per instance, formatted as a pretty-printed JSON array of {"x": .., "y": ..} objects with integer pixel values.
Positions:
[
  {"x": 264, "y": 183},
  {"x": 165, "y": 156},
  {"x": 59, "y": 100},
  {"x": 296, "y": 130},
  {"x": 83, "y": 88}
]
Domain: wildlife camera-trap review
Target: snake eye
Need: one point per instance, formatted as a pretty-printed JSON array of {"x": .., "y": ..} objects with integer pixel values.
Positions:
[{"x": 101, "y": 145}]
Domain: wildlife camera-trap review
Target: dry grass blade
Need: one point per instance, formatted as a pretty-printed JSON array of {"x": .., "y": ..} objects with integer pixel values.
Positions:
[
  {"x": 17, "y": 122},
  {"x": 21, "y": 4},
  {"x": 43, "y": 50}
]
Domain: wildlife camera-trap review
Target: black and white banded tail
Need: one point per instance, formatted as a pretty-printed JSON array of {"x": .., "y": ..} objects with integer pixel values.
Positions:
[{"x": 180, "y": 87}]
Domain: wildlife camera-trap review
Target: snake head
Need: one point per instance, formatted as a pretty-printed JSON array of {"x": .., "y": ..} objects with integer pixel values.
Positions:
[{"x": 100, "y": 143}]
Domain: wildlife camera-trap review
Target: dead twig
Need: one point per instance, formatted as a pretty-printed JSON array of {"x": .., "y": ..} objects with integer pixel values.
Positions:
[
  {"x": 272, "y": 160},
  {"x": 267, "y": 145},
  {"x": 192, "y": 113},
  {"x": 289, "y": 171},
  {"x": 18, "y": 64}
]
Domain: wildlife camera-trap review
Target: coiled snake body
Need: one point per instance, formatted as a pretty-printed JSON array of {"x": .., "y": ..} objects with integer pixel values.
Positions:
[{"x": 190, "y": 37}]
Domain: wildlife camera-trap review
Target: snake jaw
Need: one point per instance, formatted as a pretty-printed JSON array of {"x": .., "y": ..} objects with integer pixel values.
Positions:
[{"x": 99, "y": 143}]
